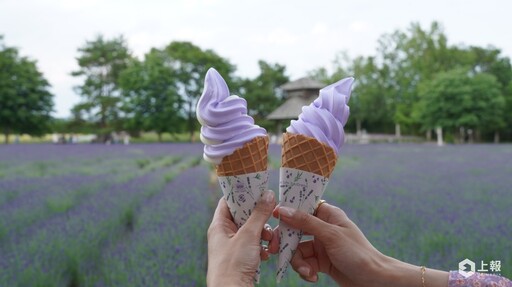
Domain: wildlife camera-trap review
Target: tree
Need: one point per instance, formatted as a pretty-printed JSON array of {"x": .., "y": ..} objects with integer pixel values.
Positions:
[
  {"x": 408, "y": 59},
  {"x": 489, "y": 60},
  {"x": 461, "y": 99},
  {"x": 341, "y": 68},
  {"x": 508, "y": 103},
  {"x": 26, "y": 103},
  {"x": 190, "y": 64},
  {"x": 150, "y": 96},
  {"x": 388, "y": 86},
  {"x": 101, "y": 62},
  {"x": 261, "y": 92},
  {"x": 368, "y": 104}
]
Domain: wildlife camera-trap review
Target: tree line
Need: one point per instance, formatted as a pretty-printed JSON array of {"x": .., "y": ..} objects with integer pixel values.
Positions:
[{"x": 415, "y": 83}]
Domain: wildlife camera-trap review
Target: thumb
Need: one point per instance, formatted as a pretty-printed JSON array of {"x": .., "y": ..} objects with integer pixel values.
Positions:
[
  {"x": 260, "y": 214},
  {"x": 306, "y": 222}
]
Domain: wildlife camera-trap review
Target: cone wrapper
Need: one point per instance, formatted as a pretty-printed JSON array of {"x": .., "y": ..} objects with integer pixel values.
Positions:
[
  {"x": 242, "y": 193},
  {"x": 300, "y": 190}
]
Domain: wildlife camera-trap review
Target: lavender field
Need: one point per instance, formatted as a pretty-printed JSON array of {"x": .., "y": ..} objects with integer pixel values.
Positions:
[{"x": 95, "y": 215}]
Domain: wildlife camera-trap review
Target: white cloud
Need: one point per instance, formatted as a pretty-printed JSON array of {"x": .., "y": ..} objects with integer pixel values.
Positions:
[
  {"x": 360, "y": 26},
  {"x": 276, "y": 37},
  {"x": 320, "y": 28},
  {"x": 74, "y": 4}
]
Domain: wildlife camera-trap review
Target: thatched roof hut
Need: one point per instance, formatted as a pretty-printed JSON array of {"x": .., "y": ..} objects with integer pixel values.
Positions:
[{"x": 297, "y": 93}]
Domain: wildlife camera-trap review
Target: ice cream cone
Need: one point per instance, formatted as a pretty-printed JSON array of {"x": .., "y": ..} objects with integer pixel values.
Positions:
[
  {"x": 235, "y": 144},
  {"x": 310, "y": 150},
  {"x": 306, "y": 167},
  {"x": 307, "y": 154},
  {"x": 243, "y": 177},
  {"x": 251, "y": 157}
]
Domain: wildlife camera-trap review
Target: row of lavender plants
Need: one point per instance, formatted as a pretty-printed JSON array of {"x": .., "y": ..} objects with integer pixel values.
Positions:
[
  {"x": 144, "y": 223},
  {"x": 61, "y": 246}
]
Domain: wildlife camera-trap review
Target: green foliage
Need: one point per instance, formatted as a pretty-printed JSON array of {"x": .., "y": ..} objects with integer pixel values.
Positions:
[
  {"x": 397, "y": 86},
  {"x": 508, "y": 103},
  {"x": 101, "y": 62},
  {"x": 143, "y": 162},
  {"x": 458, "y": 98},
  {"x": 26, "y": 103},
  {"x": 128, "y": 218},
  {"x": 189, "y": 64},
  {"x": 393, "y": 87},
  {"x": 3, "y": 232},
  {"x": 408, "y": 58},
  {"x": 341, "y": 68},
  {"x": 367, "y": 104},
  {"x": 150, "y": 95},
  {"x": 59, "y": 205},
  {"x": 262, "y": 92}
]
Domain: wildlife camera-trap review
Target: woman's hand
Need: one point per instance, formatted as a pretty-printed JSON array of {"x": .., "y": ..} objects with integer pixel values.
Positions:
[
  {"x": 338, "y": 249},
  {"x": 234, "y": 254},
  {"x": 341, "y": 250}
]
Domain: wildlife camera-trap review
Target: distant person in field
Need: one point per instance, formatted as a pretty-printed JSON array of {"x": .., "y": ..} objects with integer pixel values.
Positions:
[{"x": 339, "y": 249}]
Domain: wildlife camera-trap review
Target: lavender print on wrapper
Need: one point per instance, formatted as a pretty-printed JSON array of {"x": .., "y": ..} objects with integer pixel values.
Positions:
[
  {"x": 242, "y": 193},
  {"x": 299, "y": 190}
]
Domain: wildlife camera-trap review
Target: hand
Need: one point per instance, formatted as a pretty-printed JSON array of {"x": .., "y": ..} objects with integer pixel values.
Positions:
[
  {"x": 234, "y": 254},
  {"x": 338, "y": 249},
  {"x": 341, "y": 250}
]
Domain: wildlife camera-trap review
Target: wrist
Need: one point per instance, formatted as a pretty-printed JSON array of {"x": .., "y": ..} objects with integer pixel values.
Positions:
[
  {"x": 400, "y": 274},
  {"x": 218, "y": 279}
]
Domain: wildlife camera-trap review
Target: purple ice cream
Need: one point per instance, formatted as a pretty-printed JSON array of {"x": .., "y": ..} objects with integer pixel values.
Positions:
[
  {"x": 325, "y": 118},
  {"x": 225, "y": 123}
]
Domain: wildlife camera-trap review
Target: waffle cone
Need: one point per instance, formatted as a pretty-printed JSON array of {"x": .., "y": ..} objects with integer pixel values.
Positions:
[
  {"x": 251, "y": 157},
  {"x": 308, "y": 154}
]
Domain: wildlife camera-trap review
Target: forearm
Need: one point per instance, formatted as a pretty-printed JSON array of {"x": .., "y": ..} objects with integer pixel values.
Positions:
[{"x": 397, "y": 274}]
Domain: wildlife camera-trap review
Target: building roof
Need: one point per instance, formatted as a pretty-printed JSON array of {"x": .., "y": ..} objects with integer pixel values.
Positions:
[
  {"x": 290, "y": 109},
  {"x": 302, "y": 84}
]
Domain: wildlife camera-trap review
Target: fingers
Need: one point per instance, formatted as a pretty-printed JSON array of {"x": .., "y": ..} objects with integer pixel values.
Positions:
[
  {"x": 332, "y": 214},
  {"x": 264, "y": 255},
  {"x": 273, "y": 244},
  {"x": 221, "y": 219},
  {"x": 222, "y": 211},
  {"x": 267, "y": 233},
  {"x": 308, "y": 223},
  {"x": 259, "y": 215},
  {"x": 304, "y": 262}
]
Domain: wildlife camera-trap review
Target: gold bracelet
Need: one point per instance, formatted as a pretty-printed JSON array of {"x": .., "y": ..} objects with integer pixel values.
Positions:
[{"x": 423, "y": 275}]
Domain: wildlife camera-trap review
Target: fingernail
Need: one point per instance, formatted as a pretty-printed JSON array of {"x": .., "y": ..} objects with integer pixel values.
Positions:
[
  {"x": 314, "y": 278},
  {"x": 268, "y": 196},
  {"x": 286, "y": 211},
  {"x": 304, "y": 271}
]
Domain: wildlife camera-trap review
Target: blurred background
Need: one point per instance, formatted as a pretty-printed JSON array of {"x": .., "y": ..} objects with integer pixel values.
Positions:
[
  {"x": 422, "y": 173},
  {"x": 109, "y": 66}
]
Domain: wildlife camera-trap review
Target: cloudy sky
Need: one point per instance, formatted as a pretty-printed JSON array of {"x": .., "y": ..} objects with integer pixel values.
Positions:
[{"x": 302, "y": 35}]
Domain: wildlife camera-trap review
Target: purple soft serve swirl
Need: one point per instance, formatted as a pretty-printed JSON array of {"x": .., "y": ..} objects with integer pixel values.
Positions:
[
  {"x": 325, "y": 117},
  {"x": 225, "y": 123}
]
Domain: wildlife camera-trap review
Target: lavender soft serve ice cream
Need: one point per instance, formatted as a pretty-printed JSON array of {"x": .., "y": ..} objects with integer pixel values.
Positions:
[
  {"x": 325, "y": 118},
  {"x": 226, "y": 126}
]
